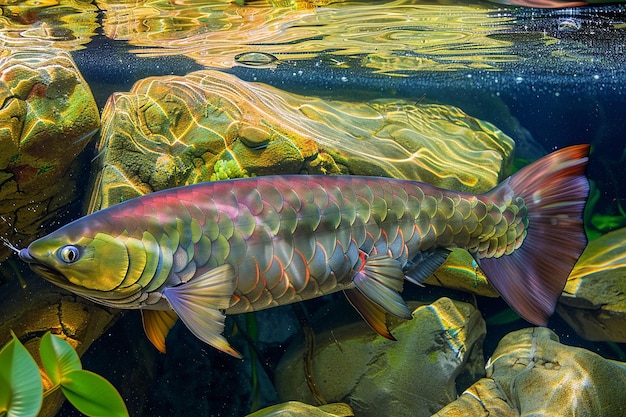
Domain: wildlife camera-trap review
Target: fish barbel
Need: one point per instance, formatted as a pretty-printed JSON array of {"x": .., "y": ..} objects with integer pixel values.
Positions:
[{"x": 201, "y": 251}]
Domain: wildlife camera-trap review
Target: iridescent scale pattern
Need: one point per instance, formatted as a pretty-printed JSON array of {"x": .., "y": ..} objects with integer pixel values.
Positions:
[{"x": 291, "y": 238}]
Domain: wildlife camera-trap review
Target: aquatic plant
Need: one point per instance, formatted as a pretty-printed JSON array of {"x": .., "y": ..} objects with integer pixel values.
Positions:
[
  {"x": 21, "y": 387},
  {"x": 601, "y": 220},
  {"x": 227, "y": 169},
  {"x": 503, "y": 317}
]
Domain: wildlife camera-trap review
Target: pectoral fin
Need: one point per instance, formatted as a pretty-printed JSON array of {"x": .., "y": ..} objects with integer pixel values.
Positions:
[
  {"x": 199, "y": 302},
  {"x": 157, "y": 324}
]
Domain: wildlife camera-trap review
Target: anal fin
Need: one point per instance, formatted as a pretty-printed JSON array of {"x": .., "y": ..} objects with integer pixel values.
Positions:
[
  {"x": 157, "y": 324},
  {"x": 381, "y": 281},
  {"x": 372, "y": 313}
]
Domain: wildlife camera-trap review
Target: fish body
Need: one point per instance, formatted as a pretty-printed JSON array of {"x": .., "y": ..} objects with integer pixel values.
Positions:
[{"x": 234, "y": 246}]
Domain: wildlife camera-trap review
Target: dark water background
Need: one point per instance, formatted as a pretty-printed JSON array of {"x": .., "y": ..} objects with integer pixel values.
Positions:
[{"x": 550, "y": 103}]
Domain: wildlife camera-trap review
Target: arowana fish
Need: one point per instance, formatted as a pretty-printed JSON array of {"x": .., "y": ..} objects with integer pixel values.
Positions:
[{"x": 202, "y": 251}]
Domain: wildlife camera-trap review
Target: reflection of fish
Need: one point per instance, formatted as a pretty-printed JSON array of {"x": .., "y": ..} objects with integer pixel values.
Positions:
[{"x": 248, "y": 244}]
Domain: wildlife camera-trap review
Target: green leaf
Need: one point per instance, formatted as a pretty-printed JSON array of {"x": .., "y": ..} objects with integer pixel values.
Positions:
[
  {"x": 58, "y": 357},
  {"x": 21, "y": 382},
  {"x": 5, "y": 397},
  {"x": 92, "y": 395}
]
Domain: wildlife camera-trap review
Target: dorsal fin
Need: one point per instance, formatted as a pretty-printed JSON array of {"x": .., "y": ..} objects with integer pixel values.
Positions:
[{"x": 425, "y": 264}]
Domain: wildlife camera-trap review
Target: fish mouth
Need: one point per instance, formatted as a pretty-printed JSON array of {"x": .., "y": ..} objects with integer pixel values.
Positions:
[
  {"x": 47, "y": 273},
  {"x": 57, "y": 279},
  {"x": 41, "y": 269},
  {"x": 60, "y": 280}
]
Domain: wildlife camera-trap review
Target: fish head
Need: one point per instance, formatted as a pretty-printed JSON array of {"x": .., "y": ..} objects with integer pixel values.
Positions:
[{"x": 88, "y": 264}]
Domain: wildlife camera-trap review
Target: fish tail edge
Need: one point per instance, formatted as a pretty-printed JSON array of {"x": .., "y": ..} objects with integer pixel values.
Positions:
[{"x": 555, "y": 190}]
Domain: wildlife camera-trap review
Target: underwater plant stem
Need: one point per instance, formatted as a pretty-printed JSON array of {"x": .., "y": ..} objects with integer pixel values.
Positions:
[
  {"x": 620, "y": 209},
  {"x": 253, "y": 331},
  {"x": 51, "y": 390},
  {"x": 309, "y": 352},
  {"x": 17, "y": 273}
]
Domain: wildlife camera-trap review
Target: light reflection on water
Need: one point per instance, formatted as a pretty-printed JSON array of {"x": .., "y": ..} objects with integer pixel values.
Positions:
[
  {"x": 406, "y": 36},
  {"x": 405, "y": 39}
]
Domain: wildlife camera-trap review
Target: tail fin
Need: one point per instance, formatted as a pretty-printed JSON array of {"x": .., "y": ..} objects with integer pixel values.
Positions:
[{"x": 555, "y": 190}]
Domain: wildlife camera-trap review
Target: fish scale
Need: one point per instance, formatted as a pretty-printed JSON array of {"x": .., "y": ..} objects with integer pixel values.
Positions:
[
  {"x": 383, "y": 224},
  {"x": 379, "y": 219},
  {"x": 241, "y": 245}
]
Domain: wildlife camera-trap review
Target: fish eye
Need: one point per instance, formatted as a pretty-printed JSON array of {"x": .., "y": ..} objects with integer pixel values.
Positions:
[{"x": 69, "y": 254}]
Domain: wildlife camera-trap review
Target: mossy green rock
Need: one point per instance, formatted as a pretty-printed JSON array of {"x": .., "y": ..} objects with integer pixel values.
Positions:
[
  {"x": 461, "y": 272},
  {"x": 437, "y": 352},
  {"x": 171, "y": 130},
  {"x": 298, "y": 409},
  {"x": 594, "y": 299},
  {"x": 532, "y": 374},
  {"x": 47, "y": 118}
]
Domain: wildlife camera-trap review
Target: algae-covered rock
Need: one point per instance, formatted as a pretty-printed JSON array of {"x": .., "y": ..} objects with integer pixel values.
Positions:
[
  {"x": 594, "y": 299},
  {"x": 223, "y": 170},
  {"x": 436, "y": 352},
  {"x": 47, "y": 118},
  {"x": 531, "y": 373},
  {"x": 482, "y": 399},
  {"x": 298, "y": 409},
  {"x": 172, "y": 130},
  {"x": 461, "y": 272}
]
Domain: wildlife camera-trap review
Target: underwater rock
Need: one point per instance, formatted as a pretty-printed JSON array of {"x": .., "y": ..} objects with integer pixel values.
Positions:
[
  {"x": 436, "y": 353},
  {"x": 32, "y": 311},
  {"x": 461, "y": 272},
  {"x": 593, "y": 302},
  {"x": 482, "y": 399},
  {"x": 47, "y": 117},
  {"x": 298, "y": 409},
  {"x": 531, "y": 373},
  {"x": 171, "y": 130}
]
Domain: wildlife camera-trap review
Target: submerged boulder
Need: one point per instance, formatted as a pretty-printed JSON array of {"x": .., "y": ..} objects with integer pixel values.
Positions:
[
  {"x": 531, "y": 373},
  {"x": 47, "y": 117},
  {"x": 461, "y": 272},
  {"x": 298, "y": 409},
  {"x": 436, "y": 353},
  {"x": 594, "y": 299},
  {"x": 171, "y": 130}
]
